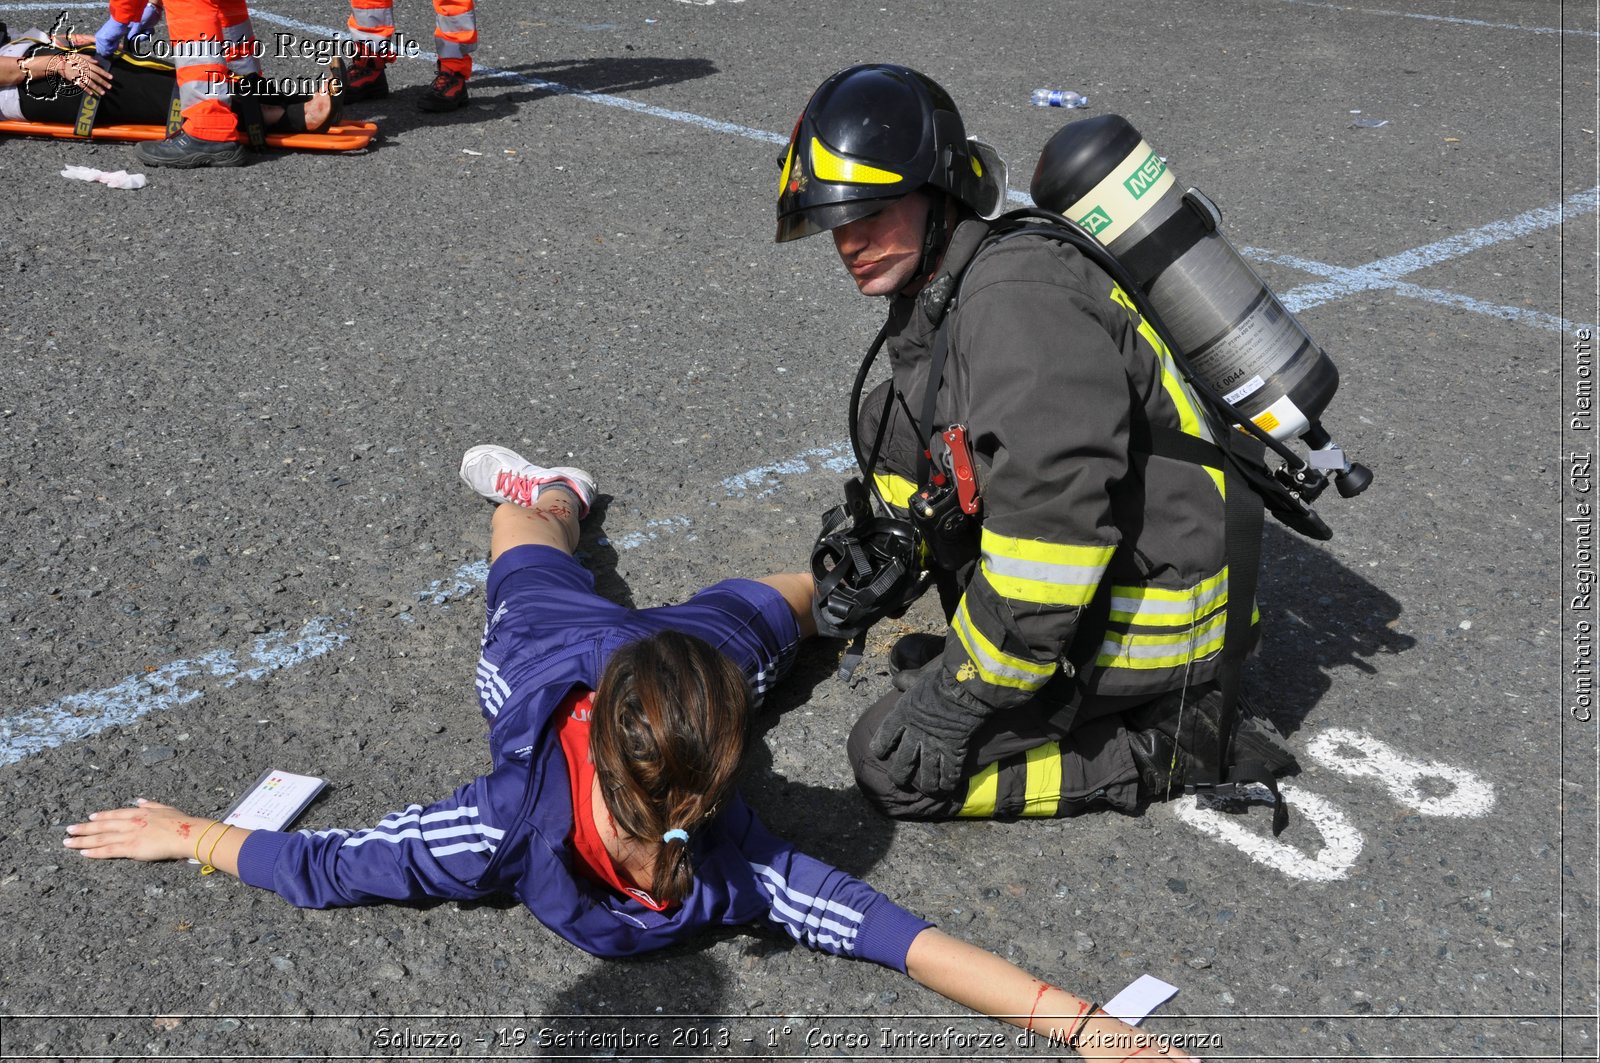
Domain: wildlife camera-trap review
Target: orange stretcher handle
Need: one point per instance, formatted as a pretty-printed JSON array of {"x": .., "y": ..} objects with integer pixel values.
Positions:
[{"x": 343, "y": 136}]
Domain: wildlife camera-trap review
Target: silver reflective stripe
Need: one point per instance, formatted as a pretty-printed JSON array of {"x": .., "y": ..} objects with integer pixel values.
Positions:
[
  {"x": 993, "y": 669},
  {"x": 451, "y": 50},
  {"x": 1153, "y": 608},
  {"x": 206, "y": 88},
  {"x": 1043, "y": 571},
  {"x": 372, "y": 18},
  {"x": 1205, "y": 639},
  {"x": 456, "y": 23},
  {"x": 243, "y": 57}
]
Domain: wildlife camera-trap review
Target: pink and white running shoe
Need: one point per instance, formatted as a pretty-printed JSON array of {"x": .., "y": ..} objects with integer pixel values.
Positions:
[{"x": 502, "y": 475}]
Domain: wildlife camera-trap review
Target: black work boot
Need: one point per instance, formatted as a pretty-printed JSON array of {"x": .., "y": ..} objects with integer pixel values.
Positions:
[
  {"x": 447, "y": 93},
  {"x": 910, "y": 654},
  {"x": 366, "y": 78},
  {"x": 1174, "y": 741},
  {"x": 185, "y": 152},
  {"x": 1164, "y": 768}
]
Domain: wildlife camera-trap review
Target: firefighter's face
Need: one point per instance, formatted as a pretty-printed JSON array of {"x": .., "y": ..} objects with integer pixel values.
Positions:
[{"x": 881, "y": 251}]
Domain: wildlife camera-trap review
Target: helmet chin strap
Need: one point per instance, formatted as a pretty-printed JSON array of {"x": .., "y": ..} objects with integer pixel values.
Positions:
[{"x": 934, "y": 237}]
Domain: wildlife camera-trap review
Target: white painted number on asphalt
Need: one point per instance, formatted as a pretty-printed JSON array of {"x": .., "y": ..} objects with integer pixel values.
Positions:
[
  {"x": 1341, "y": 842},
  {"x": 1432, "y": 789},
  {"x": 1426, "y": 787}
]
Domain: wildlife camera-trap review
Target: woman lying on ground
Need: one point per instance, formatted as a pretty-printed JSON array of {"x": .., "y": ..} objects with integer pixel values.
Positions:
[
  {"x": 40, "y": 81},
  {"x": 611, "y": 812}
]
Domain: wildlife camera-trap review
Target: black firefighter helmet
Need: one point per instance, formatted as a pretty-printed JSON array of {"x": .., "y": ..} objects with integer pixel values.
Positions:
[{"x": 872, "y": 134}]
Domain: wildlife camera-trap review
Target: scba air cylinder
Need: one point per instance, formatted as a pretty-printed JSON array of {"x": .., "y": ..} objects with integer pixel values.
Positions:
[{"x": 1236, "y": 334}]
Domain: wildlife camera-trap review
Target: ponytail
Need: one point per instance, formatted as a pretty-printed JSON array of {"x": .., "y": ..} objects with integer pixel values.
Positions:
[{"x": 667, "y": 739}]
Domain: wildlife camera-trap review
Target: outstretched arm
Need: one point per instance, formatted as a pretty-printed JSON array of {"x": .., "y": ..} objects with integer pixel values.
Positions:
[
  {"x": 984, "y": 982},
  {"x": 153, "y": 831}
]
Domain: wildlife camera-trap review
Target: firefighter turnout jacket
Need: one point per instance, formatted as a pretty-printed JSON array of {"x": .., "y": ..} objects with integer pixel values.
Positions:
[{"x": 1098, "y": 560}]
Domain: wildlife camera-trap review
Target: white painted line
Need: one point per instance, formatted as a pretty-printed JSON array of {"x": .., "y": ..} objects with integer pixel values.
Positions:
[
  {"x": 1361, "y": 756},
  {"x": 653, "y": 531},
  {"x": 1473, "y": 22},
  {"x": 1308, "y": 296},
  {"x": 1384, "y": 272},
  {"x": 1517, "y": 314},
  {"x": 555, "y": 88},
  {"x": 1342, "y": 843},
  {"x": 82, "y": 715}
]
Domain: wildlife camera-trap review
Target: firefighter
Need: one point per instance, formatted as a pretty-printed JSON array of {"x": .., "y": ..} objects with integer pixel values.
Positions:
[{"x": 1087, "y": 595}]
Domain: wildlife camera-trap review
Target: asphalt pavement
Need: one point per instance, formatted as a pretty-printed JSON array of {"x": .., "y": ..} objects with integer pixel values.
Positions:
[{"x": 231, "y": 536}]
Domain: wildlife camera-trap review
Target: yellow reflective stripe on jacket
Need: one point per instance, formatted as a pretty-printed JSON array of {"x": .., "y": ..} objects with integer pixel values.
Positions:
[
  {"x": 994, "y": 666},
  {"x": 896, "y": 490},
  {"x": 1127, "y": 650},
  {"x": 1177, "y": 391},
  {"x": 1171, "y": 383},
  {"x": 982, "y": 790},
  {"x": 1030, "y": 570},
  {"x": 1043, "y": 793},
  {"x": 1159, "y": 607}
]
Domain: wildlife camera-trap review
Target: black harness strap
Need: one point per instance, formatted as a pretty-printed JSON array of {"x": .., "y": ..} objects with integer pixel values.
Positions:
[
  {"x": 175, "y": 113},
  {"x": 1165, "y": 244},
  {"x": 930, "y": 396},
  {"x": 1242, "y": 513},
  {"x": 89, "y": 107}
]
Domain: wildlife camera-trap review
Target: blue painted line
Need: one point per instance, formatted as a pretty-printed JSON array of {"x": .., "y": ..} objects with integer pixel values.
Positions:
[
  {"x": 1454, "y": 20},
  {"x": 468, "y": 578},
  {"x": 78, "y": 716},
  {"x": 765, "y": 479},
  {"x": 82, "y": 715}
]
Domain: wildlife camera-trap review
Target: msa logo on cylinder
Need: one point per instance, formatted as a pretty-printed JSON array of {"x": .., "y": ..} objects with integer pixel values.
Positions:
[
  {"x": 1096, "y": 220},
  {"x": 1144, "y": 178}
]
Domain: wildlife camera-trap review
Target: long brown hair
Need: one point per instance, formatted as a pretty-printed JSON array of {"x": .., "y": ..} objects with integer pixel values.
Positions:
[{"x": 668, "y": 734}]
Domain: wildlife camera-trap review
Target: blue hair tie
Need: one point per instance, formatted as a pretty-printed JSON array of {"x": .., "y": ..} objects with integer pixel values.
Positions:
[{"x": 676, "y": 834}]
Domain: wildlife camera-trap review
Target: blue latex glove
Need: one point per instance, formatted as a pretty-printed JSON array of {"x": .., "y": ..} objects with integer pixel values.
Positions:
[
  {"x": 108, "y": 38},
  {"x": 140, "y": 30}
]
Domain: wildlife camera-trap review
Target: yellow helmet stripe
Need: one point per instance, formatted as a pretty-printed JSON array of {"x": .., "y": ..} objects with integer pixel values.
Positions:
[
  {"x": 827, "y": 166},
  {"x": 783, "y": 178}
]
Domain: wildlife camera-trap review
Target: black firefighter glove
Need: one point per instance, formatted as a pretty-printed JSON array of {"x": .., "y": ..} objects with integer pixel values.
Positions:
[{"x": 924, "y": 739}]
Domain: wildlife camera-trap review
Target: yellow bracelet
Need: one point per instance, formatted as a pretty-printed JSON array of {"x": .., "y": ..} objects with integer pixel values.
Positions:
[
  {"x": 209, "y": 867},
  {"x": 201, "y": 840}
]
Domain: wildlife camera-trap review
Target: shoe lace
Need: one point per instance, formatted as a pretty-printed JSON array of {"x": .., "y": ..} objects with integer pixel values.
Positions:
[
  {"x": 446, "y": 83},
  {"x": 517, "y": 489}
]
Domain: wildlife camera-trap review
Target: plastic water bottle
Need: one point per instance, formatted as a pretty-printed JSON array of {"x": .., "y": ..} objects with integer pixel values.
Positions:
[{"x": 1058, "y": 98}]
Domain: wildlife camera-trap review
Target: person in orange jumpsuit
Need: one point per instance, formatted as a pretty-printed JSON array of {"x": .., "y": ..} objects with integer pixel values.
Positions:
[{"x": 455, "y": 33}]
